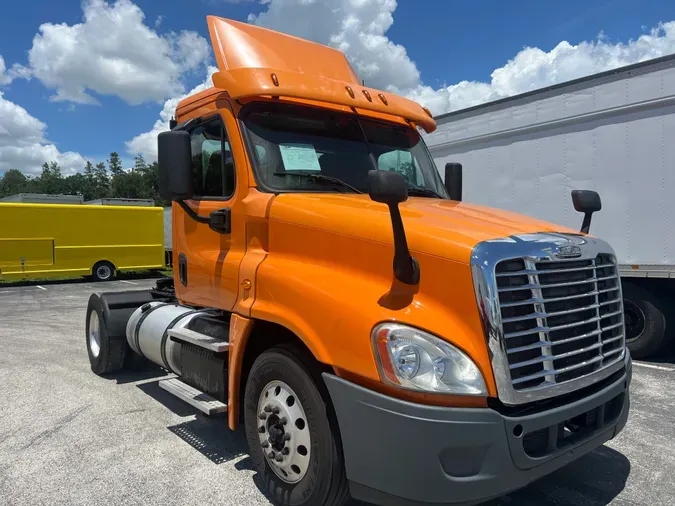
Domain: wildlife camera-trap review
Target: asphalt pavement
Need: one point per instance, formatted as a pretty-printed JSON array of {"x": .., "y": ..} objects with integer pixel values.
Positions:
[{"x": 70, "y": 437}]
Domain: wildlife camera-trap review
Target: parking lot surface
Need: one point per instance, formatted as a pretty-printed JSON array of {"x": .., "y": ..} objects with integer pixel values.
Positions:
[{"x": 68, "y": 436}]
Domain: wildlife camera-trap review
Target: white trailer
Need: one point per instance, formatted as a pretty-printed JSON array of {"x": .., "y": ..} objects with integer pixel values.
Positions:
[{"x": 612, "y": 132}]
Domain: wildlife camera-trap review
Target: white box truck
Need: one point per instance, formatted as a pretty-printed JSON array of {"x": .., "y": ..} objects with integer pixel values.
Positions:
[{"x": 612, "y": 132}]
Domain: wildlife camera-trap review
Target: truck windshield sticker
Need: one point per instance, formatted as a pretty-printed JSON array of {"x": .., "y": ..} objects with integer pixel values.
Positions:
[{"x": 299, "y": 157}]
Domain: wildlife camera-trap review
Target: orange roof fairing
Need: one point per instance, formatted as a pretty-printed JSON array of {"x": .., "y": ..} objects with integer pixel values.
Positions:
[
  {"x": 255, "y": 61},
  {"x": 245, "y": 46}
]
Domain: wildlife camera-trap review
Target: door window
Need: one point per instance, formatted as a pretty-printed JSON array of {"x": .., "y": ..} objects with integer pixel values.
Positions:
[{"x": 213, "y": 174}]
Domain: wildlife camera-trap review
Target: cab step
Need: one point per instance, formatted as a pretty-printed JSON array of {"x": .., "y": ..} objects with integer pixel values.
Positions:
[
  {"x": 200, "y": 400},
  {"x": 202, "y": 340}
]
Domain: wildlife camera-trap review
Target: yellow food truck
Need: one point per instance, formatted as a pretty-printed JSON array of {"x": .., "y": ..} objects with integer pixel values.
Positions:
[{"x": 57, "y": 240}]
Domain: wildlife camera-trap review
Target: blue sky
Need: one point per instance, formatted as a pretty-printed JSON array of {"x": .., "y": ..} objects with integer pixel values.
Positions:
[{"x": 446, "y": 42}]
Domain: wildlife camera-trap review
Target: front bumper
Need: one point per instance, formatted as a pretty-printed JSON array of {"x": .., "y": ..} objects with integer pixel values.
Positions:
[{"x": 401, "y": 453}]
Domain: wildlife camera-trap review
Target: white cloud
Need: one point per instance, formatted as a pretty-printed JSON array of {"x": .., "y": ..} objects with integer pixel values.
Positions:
[
  {"x": 113, "y": 52},
  {"x": 358, "y": 28},
  {"x": 4, "y": 77},
  {"x": 146, "y": 143},
  {"x": 8, "y": 75},
  {"x": 23, "y": 145}
]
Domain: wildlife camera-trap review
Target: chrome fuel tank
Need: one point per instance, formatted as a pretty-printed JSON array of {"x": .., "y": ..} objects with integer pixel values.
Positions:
[{"x": 148, "y": 332}]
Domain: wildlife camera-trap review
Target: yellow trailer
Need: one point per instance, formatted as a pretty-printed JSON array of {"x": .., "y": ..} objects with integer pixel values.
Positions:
[{"x": 55, "y": 240}]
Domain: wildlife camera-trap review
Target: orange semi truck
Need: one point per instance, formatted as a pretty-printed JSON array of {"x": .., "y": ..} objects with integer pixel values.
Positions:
[{"x": 378, "y": 338}]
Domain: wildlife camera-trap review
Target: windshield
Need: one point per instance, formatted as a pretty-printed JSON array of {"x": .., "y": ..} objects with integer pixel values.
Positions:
[{"x": 291, "y": 145}]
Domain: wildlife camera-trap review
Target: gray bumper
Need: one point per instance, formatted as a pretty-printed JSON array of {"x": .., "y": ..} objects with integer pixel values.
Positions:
[{"x": 401, "y": 453}]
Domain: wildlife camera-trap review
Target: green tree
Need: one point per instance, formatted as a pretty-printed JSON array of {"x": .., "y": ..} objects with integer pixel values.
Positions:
[
  {"x": 139, "y": 163},
  {"x": 88, "y": 191},
  {"x": 152, "y": 183},
  {"x": 93, "y": 182},
  {"x": 14, "y": 181},
  {"x": 101, "y": 181},
  {"x": 129, "y": 185},
  {"x": 115, "y": 164},
  {"x": 75, "y": 184},
  {"x": 50, "y": 180}
]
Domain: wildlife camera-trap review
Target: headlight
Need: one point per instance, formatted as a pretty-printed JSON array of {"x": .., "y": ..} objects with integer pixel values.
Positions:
[{"x": 416, "y": 360}]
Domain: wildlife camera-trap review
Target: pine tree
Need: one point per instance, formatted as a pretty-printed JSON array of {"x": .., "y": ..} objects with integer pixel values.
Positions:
[
  {"x": 50, "y": 181},
  {"x": 139, "y": 164},
  {"x": 115, "y": 164},
  {"x": 101, "y": 181}
]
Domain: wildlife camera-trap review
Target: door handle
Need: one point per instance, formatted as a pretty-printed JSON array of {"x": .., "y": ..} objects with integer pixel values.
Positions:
[{"x": 220, "y": 220}]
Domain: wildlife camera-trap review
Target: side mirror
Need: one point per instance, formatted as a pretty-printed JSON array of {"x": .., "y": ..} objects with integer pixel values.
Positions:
[
  {"x": 391, "y": 188},
  {"x": 174, "y": 158},
  {"x": 387, "y": 187},
  {"x": 453, "y": 180},
  {"x": 587, "y": 202}
]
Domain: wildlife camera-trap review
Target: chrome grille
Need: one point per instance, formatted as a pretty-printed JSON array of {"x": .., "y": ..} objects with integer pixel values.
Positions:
[{"x": 561, "y": 320}]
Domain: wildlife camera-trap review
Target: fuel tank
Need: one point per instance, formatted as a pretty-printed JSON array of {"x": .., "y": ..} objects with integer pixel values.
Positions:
[{"x": 148, "y": 332}]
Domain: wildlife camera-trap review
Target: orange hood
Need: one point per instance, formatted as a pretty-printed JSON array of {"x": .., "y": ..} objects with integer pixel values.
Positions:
[{"x": 442, "y": 228}]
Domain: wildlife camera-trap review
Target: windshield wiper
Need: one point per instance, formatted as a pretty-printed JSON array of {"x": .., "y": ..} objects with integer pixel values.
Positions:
[
  {"x": 319, "y": 178},
  {"x": 423, "y": 192}
]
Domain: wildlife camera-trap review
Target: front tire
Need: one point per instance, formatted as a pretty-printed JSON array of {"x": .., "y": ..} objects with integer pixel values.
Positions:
[
  {"x": 298, "y": 456},
  {"x": 106, "y": 353}
]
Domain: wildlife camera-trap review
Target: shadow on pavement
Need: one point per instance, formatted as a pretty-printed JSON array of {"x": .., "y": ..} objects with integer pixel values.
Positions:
[
  {"x": 593, "y": 480},
  {"x": 212, "y": 438},
  {"x": 665, "y": 357},
  {"x": 141, "y": 372}
]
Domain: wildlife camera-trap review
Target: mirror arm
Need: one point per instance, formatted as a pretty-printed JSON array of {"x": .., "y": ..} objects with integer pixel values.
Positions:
[
  {"x": 406, "y": 268},
  {"x": 192, "y": 214},
  {"x": 586, "y": 224}
]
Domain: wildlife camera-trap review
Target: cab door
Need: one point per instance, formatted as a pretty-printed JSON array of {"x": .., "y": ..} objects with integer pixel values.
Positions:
[{"x": 207, "y": 255}]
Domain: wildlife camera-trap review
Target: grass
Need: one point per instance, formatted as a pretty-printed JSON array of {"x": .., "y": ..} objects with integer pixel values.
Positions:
[{"x": 51, "y": 280}]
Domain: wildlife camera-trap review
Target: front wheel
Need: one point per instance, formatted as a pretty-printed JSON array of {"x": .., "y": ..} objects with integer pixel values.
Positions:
[{"x": 292, "y": 441}]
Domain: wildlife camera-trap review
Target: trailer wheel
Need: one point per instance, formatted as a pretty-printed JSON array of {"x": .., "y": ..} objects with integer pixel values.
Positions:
[
  {"x": 645, "y": 320},
  {"x": 103, "y": 271},
  {"x": 293, "y": 444},
  {"x": 106, "y": 353}
]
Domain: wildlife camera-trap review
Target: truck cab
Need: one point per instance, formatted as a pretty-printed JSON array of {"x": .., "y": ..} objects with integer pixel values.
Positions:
[{"x": 378, "y": 338}]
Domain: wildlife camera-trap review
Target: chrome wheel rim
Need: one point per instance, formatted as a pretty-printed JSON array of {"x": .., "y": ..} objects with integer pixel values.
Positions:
[
  {"x": 283, "y": 430},
  {"x": 94, "y": 334},
  {"x": 103, "y": 272}
]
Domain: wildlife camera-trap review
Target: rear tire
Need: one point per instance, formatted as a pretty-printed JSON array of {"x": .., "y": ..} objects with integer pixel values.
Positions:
[
  {"x": 645, "y": 320},
  {"x": 103, "y": 271},
  {"x": 320, "y": 480},
  {"x": 106, "y": 353}
]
